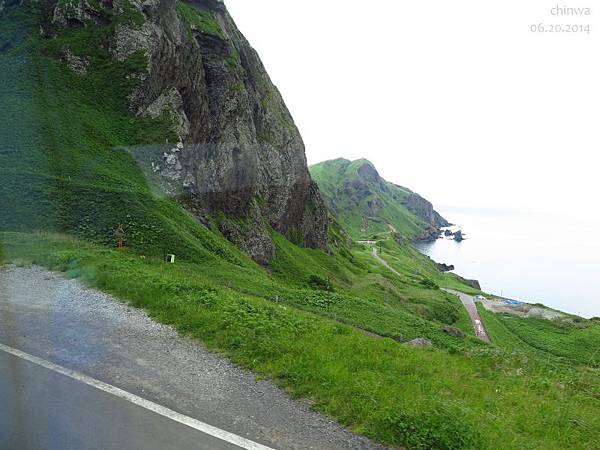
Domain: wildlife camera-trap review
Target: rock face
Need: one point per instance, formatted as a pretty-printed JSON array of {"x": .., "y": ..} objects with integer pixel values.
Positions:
[
  {"x": 473, "y": 283},
  {"x": 442, "y": 267},
  {"x": 240, "y": 155},
  {"x": 453, "y": 331},
  {"x": 420, "y": 342},
  {"x": 429, "y": 235},
  {"x": 424, "y": 210}
]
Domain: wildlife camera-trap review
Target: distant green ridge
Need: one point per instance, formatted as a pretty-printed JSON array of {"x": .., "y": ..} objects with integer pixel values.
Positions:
[{"x": 367, "y": 205}]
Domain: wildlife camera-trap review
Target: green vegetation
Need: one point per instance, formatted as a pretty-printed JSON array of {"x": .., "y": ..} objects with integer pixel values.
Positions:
[
  {"x": 331, "y": 327},
  {"x": 199, "y": 19},
  {"x": 204, "y": 21},
  {"x": 67, "y": 145},
  {"x": 353, "y": 197},
  {"x": 423, "y": 398},
  {"x": 319, "y": 282},
  {"x": 569, "y": 339},
  {"x": 234, "y": 62}
]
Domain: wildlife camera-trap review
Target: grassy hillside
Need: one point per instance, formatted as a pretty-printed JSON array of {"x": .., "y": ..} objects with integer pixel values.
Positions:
[
  {"x": 329, "y": 326},
  {"x": 569, "y": 339},
  {"x": 66, "y": 163},
  {"x": 461, "y": 393},
  {"x": 354, "y": 192}
]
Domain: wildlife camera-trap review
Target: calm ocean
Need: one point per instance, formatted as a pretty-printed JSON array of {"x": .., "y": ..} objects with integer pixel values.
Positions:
[{"x": 535, "y": 258}]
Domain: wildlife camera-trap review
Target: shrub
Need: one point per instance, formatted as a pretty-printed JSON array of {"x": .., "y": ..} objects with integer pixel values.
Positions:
[
  {"x": 429, "y": 284},
  {"x": 318, "y": 282}
]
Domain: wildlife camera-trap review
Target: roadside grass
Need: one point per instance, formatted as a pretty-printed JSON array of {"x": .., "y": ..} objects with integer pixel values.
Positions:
[{"x": 423, "y": 398}]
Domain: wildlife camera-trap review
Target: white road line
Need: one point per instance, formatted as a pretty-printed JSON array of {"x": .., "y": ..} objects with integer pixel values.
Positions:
[{"x": 139, "y": 401}]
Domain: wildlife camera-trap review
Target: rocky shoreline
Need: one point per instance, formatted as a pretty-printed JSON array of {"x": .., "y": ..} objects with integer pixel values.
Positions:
[
  {"x": 435, "y": 233},
  {"x": 432, "y": 234}
]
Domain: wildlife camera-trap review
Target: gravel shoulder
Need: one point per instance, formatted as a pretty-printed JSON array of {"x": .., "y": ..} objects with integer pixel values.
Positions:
[{"x": 64, "y": 322}]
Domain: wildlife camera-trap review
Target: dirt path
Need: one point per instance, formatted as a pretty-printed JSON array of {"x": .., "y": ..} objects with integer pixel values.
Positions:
[
  {"x": 469, "y": 302},
  {"x": 384, "y": 262}
]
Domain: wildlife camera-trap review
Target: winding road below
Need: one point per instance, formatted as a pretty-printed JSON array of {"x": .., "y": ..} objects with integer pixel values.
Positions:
[{"x": 467, "y": 300}]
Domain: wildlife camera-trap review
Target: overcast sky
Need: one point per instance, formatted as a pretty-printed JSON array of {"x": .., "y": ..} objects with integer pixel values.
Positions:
[{"x": 457, "y": 100}]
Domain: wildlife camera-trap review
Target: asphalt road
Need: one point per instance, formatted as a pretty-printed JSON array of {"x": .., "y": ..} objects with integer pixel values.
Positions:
[
  {"x": 469, "y": 303},
  {"x": 42, "y": 409},
  {"x": 65, "y": 324}
]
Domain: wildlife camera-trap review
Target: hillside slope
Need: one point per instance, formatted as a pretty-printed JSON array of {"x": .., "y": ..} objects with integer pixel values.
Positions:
[
  {"x": 102, "y": 98},
  {"x": 366, "y": 204},
  {"x": 75, "y": 159},
  {"x": 348, "y": 354}
]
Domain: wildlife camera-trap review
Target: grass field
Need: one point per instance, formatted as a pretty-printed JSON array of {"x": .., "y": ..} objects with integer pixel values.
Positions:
[{"x": 570, "y": 340}]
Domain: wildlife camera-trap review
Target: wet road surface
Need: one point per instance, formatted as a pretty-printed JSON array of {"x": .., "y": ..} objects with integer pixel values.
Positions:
[
  {"x": 80, "y": 329},
  {"x": 42, "y": 409}
]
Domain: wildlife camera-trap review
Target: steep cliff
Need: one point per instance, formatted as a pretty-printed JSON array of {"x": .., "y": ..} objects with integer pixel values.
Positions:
[
  {"x": 367, "y": 204},
  {"x": 424, "y": 210},
  {"x": 233, "y": 155}
]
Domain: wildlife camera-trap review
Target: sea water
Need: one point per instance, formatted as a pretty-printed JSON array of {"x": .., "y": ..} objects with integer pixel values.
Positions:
[{"x": 530, "y": 257}]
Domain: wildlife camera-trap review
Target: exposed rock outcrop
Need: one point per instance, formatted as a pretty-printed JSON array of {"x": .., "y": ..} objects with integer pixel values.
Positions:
[
  {"x": 473, "y": 283},
  {"x": 424, "y": 210},
  {"x": 453, "y": 331},
  {"x": 429, "y": 235},
  {"x": 240, "y": 153},
  {"x": 76, "y": 64},
  {"x": 368, "y": 173},
  {"x": 420, "y": 342},
  {"x": 442, "y": 267}
]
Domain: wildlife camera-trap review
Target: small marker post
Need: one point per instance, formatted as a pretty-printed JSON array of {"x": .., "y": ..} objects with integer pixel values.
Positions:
[{"x": 120, "y": 235}]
